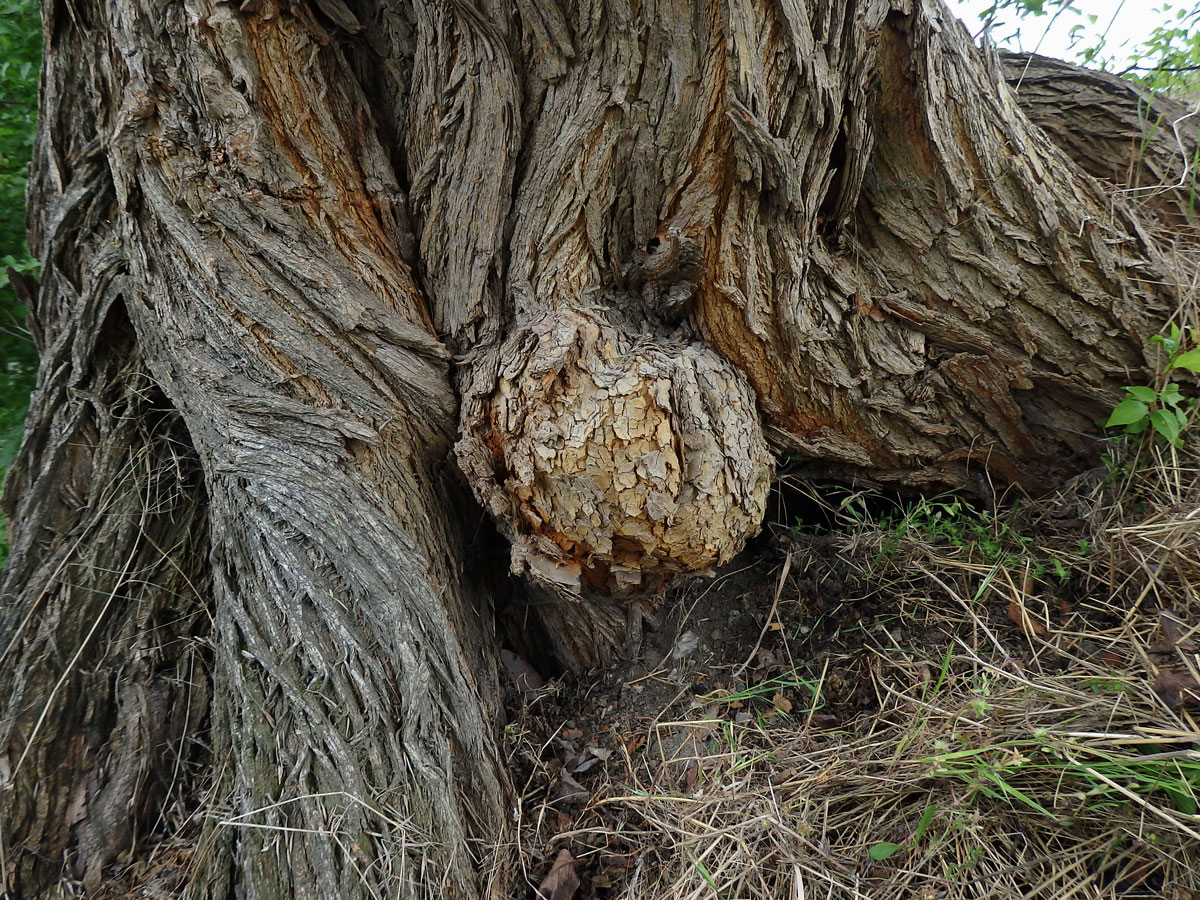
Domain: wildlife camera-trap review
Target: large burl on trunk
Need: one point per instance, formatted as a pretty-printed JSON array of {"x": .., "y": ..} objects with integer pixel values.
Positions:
[{"x": 320, "y": 279}]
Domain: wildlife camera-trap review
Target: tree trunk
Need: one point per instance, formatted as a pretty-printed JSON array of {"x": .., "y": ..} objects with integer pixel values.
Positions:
[
  {"x": 301, "y": 259},
  {"x": 1144, "y": 144}
]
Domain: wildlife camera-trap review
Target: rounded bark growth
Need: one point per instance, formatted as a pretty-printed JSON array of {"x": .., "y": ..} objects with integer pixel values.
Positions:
[{"x": 620, "y": 457}]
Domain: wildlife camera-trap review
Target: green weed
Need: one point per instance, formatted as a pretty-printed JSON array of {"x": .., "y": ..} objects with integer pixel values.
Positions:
[
  {"x": 948, "y": 521},
  {"x": 1088, "y": 777},
  {"x": 1163, "y": 408}
]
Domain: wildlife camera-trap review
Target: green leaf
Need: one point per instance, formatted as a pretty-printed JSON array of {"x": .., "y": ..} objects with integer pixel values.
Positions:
[
  {"x": 924, "y": 821},
  {"x": 1182, "y": 800},
  {"x": 1189, "y": 360},
  {"x": 1011, "y": 791},
  {"x": 1127, "y": 413},
  {"x": 1166, "y": 424},
  {"x": 1145, "y": 394},
  {"x": 1170, "y": 344},
  {"x": 880, "y": 852}
]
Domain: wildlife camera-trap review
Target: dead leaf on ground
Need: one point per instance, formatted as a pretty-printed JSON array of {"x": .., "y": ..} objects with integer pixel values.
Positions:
[
  {"x": 570, "y": 790},
  {"x": 589, "y": 758},
  {"x": 782, "y": 703},
  {"x": 1176, "y": 634},
  {"x": 1177, "y": 688},
  {"x": 562, "y": 881},
  {"x": 691, "y": 777},
  {"x": 1019, "y": 616}
]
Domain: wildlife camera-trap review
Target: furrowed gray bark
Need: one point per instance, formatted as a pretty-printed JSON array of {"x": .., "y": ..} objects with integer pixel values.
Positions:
[
  {"x": 103, "y": 681},
  {"x": 351, "y": 658},
  {"x": 1116, "y": 132},
  {"x": 304, "y": 262},
  {"x": 254, "y": 248}
]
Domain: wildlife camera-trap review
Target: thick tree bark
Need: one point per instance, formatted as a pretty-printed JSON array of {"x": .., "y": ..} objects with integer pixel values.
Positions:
[
  {"x": 1145, "y": 144},
  {"x": 300, "y": 259},
  {"x": 247, "y": 227},
  {"x": 917, "y": 286}
]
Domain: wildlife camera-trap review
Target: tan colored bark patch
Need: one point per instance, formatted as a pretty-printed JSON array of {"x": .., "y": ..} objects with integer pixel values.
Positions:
[{"x": 626, "y": 458}]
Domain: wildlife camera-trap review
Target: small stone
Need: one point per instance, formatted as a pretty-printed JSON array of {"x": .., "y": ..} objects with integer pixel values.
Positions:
[{"x": 686, "y": 645}]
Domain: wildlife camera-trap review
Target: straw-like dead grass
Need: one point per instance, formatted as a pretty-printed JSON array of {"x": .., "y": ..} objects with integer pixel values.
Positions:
[{"x": 1045, "y": 746}]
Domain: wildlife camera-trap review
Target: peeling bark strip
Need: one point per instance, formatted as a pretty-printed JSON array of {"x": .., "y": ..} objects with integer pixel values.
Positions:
[{"x": 645, "y": 244}]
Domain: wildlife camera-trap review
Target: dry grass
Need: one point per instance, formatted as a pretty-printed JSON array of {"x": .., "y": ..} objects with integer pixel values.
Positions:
[{"x": 1047, "y": 749}]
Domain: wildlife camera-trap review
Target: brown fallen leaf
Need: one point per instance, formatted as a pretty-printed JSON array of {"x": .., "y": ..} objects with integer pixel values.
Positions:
[
  {"x": 588, "y": 759},
  {"x": 562, "y": 881},
  {"x": 1175, "y": 632},
  {"x": 1019, "y": 616},
  {"x": 1177, "y": 688},
  {"x": 691, "y": 777},
  {"x": 782, "y": 703},
  {"x": 570, "y": 790}
]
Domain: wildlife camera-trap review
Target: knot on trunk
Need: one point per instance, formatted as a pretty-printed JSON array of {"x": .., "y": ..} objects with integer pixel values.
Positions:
[
  {"x": 620, "y": 459},
  {"x": 666, "y": 275}
]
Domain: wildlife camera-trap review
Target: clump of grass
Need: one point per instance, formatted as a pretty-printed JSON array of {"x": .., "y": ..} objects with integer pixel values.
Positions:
[
  {"x": 1045, "y": 787},
  {"x": 926, "y": 797},
  {"x": 949, "y": 523},
  {"x": 1038, "y": 752}
]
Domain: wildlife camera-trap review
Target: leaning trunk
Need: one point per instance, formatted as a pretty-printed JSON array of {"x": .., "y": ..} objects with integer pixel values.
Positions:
[
  {"x": 299, "y": 262},
  {"x": 1144, "y": 146}
]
